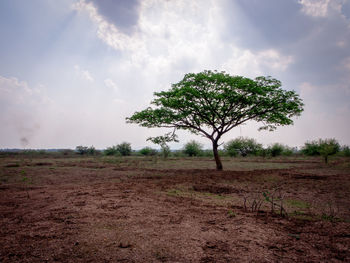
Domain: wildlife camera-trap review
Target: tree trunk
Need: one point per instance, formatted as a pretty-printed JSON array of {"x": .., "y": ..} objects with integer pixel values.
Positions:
[
  {"x": 216, "y": 156},
  {"x": 326, "y": 159}
]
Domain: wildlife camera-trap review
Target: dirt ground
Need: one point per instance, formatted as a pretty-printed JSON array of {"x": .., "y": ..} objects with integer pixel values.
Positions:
[{"x": 142, "y": 209}]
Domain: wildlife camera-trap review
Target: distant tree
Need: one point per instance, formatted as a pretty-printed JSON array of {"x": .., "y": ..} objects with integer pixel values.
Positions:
[
  {"x": 82, "y": 149},
  {"x": 193, "y": 148},
  {"x": 124, "y": 148},
  {"x": 323, "y": 147},
  {"x": 242, "y": 146},
  {"x": 213, "y": 103},
  {"x": 111, "y": 151},
  {"x": 163, "y": 141},
  {"x": 328, "y": 147},
  {"x": 148, "y": 151},
  {"x": 345, "y": 150}
]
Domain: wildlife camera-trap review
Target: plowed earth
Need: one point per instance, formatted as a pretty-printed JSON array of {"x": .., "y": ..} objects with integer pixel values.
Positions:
[{"x": 143, "y": 210}]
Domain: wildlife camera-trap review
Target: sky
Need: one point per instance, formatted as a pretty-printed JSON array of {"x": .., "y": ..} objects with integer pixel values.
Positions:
[{"x": 71, "y": 71}]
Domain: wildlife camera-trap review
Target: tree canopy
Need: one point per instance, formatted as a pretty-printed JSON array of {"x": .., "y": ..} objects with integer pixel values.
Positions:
[{"x": 212, "y": 103}]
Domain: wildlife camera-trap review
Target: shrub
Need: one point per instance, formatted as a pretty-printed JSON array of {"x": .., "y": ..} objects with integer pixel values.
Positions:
[
  {"x": 165, "y": 150},
  {"x": 323, "y": 147},
  {"x": 91, "y": 150},
  {"x": 345, "y": 150},
  {"x": 111, "y": 151},
  {"x": 81, "y": 149},
  {"x": 278, "y": 149},
  {"x": 148, "y": 151},
  {"x": 311, "y": 148},
  {"x": 193, "y": 148},
  {"x": 242, "y": 146},
  {"x": 124, "y": 148}
]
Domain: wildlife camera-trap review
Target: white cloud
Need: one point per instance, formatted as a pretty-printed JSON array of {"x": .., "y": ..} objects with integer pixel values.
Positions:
[
  {"x": 320, "y": 8},
  {"x": 175, "y": 35},
  {"x": 111, "y": 84},
  {"x": 84, "y": 74}
]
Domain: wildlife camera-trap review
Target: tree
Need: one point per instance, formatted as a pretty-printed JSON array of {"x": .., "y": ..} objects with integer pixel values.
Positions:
[
  {"x": 124, "y": 148},
  {"x": 212, "y": 103},
  {"x": 192, "y": 148},
  {"x": 322, "y": 147},
  {"x": 242, "y": 146},
  {"x": 162, "y": 141}
]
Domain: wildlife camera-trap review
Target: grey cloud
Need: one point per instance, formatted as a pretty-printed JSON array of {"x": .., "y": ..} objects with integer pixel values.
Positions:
[
  {"x": 122, "y": 13},
  {"x": 318, "y": 45}
]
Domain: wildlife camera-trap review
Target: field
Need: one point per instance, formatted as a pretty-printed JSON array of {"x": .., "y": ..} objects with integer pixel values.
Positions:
[{"x": 143, "y": 209}]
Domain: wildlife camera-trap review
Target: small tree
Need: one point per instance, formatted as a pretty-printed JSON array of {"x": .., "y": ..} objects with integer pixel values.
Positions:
[
  {"x": 345, "y": 150},
  {"x": 82, "y": 149},
  {"x": 328, "y": 147},
  {"x": 111, "y": 151},
  {"x": 323, "y": 147},
  {"x": 124, "y": 148},
  {"x": 193, "y": 148},
  {"x": 163, "y": 141},
  {"x": 213, "y": 103},
  {"x": 242, "y": 146},
  {"x": 148, "y": 151}
]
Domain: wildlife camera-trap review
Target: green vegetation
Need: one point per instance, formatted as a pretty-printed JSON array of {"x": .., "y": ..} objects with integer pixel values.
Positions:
[
  {"x": 86, "y": 150},
  {"x": 323, "y": 147},
  {"x": 148, "y": 151},
  {"x": 212, "y": 103},
  {"x": 242, "y": 146},
  {"x": 123, "y": 149},
  {"x": 278, "y": 149},
  {"x": 193, "y": 148}
]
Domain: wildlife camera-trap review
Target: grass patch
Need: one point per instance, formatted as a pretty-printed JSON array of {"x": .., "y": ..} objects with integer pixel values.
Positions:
[{"x": 297, "y": 203}]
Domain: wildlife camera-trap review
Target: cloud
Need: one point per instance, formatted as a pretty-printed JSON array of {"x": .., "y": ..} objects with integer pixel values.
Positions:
[
  {"x": 315, "y": 8},
  {"x": 122, "y": 13},
  {"x": 177, "y": 35},
  {"x": 84, "y": 74},
  {"x": 110, "y": 84}
]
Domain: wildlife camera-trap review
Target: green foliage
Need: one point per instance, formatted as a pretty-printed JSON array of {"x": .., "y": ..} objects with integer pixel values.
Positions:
[
  {"x": 86, "y": 150},
  {"x": 162, "y": 141},
  {"x": 323, "y": 147},
  {"x": 278, "y": 149},
  {"x": 212, "y": 103},
  {"x": 242, "y": 146},
  {"x": 111, "y": 151},
  {"x": 311, "y": 148},
  {"x": 81, "y": 149},
  {"x": 165, "y": 151},
  {"x": 124, "y": 148},
  {"x": 193, "y": 148},
  {"x": 345, "y": 150},
  {"x": 148, "y": 151}
]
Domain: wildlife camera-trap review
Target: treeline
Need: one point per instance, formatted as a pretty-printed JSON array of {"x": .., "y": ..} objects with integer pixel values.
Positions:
[{"x": 239, "y": 147}]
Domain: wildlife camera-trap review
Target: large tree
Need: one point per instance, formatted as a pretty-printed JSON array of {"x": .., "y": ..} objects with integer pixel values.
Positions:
[{"x": 212, "y": 103}]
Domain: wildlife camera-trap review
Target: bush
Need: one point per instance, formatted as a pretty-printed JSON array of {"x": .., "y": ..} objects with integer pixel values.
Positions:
[
  {"x": 324, "y": 147},
  {"x": 345, "y": 150},
  {"x": 86, "y": 150},
  {"x": 193, "y": 148},
  {"x": 311, "y": 148},
  {"x": 278, "y": 149},
  {"x": 124, "y": 148},
  {"x": 111, "y": 151},
  {"x": 81, "y": 149},
  {"x": 242, "y": 146},
  {"x": 148, "y": 151}
]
